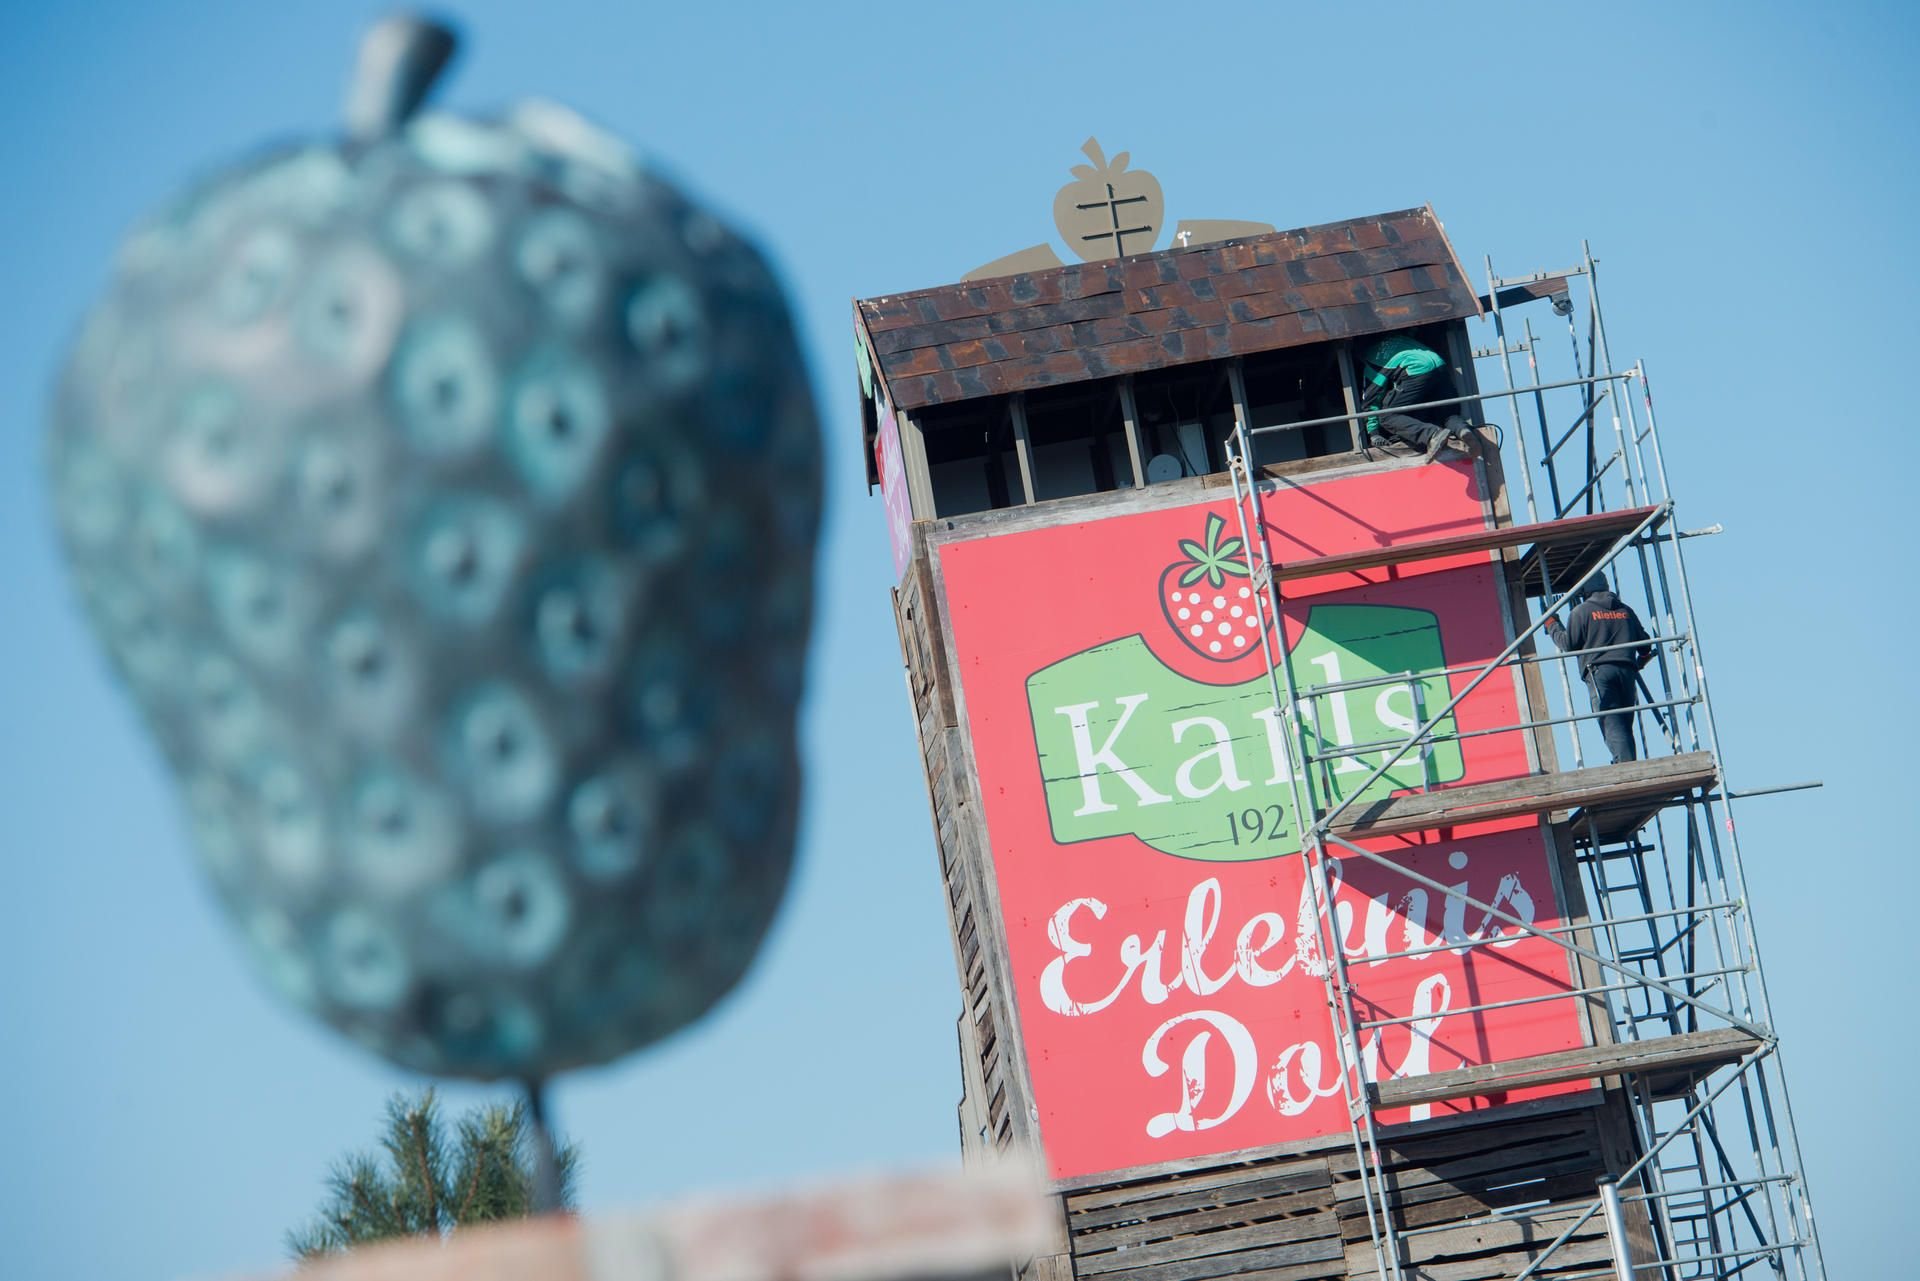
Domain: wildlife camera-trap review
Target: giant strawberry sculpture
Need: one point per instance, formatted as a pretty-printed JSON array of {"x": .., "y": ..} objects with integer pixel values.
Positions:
[{"x": 446, "y": 498}]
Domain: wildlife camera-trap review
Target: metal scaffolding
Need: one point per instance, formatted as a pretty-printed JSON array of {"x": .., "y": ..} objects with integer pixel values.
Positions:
[{"x": 1667, "y": 943}]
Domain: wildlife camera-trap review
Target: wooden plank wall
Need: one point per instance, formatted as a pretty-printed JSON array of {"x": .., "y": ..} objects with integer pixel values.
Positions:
[
  {"x": 1173, "y": 307},
  {"x": 991, "y": 1097},
  {"x": 1301, "y": 1218}
]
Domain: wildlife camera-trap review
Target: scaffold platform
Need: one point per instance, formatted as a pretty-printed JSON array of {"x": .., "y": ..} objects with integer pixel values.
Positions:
[
  {"x": 1669, "y": 1065},
  {"x": 1612, "y": 796}
]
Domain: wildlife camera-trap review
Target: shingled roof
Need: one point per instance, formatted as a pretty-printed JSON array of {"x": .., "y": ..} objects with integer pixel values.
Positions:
[{"x": 1174, "y": 307}]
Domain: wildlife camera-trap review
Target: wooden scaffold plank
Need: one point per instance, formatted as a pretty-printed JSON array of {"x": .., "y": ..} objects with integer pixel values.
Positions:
[
  {"x": 1673, "y": 1058},
  {"x": 1598, "y": 532},
  {"x": 1602, "y": 787}
]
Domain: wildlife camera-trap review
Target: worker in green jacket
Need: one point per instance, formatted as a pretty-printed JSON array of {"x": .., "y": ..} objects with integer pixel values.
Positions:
[{"x": 1400, "y": 371}]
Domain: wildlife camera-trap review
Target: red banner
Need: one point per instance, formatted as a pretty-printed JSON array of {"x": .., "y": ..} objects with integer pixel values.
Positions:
[{"x": 1135, "y": 776}]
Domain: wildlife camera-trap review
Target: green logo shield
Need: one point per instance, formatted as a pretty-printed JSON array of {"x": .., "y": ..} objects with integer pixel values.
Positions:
[{"x": 1129, "y": 747}]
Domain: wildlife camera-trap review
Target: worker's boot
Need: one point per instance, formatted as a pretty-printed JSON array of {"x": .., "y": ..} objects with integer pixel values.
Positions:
[{"x": 1391, "y": 447}]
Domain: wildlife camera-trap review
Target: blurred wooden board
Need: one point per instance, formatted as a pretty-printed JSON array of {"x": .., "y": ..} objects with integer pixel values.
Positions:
[{"x": 940, "y": 1226}]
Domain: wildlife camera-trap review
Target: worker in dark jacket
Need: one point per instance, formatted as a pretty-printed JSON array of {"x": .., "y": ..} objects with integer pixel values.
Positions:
[
  {"x": 1604, "y": 623},
  {"x": 1399, "y": 371}
]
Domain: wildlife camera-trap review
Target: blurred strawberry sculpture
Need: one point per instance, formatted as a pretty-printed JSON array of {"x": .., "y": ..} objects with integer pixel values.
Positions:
[{"x": 446, "y": 497}]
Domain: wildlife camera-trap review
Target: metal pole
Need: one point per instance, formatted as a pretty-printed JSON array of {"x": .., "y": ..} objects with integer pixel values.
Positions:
[
  {"x": 1513, "y": 401},
  {"x": 1616, "y": 1229},
  {"x": 1573, "y": 336},
  {"x": 1605, "y": 360},
  {"x": 1539, "y": 412}
]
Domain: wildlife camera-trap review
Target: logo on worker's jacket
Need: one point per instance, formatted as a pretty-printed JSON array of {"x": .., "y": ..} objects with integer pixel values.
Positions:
[{"x": 1129, "y": 747}]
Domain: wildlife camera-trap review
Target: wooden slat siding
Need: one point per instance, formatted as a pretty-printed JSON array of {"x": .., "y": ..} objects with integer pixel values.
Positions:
[
  {"x": 1300, "y": 1177},
  {"x": 1509, "y": 1156},
  {"x": 1430, "y": 1187},
  {"x": 959, "y": 841},
  {"x": 1275, "y": 1218},
  {"x": 1496, "y": 1251},
  {"x": 1223, "y": 1222},
  {"x": 1411, "y": 1144},
  {"x": 1570, "y": 1179},
  {"x": 1500, "y": 1237},
  {"x": 912, "y": 601},
  {"x": 923, "y": 649},
  {"x": 1531, "y": 1178},
  {"x": 1018, "y": 1123},
  {"x": 1597, "y": 787},
  {"x": 1307, "y": 1189},
  {"x": 971, "y": 1112},
  {"x": 1022, "y": 332},
  {"x": 1207, "y": 1229},
  {"x": 923, "y": 652},
  {"x": 1464, "y": 1174},
  {"x": 1310, "y": 1233},
  {"x": 1048, "y": 1267},
  {"x": 1297, "y": 1261}
]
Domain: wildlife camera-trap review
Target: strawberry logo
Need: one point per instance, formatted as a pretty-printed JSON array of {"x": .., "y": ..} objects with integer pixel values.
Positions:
[{"x": 1207, "y": 595}]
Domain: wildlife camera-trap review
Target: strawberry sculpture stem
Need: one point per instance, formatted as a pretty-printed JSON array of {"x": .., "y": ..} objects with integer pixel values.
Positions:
[{"x": 400, "y": 59}]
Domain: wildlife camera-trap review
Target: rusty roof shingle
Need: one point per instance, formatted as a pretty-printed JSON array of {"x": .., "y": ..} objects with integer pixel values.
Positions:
[{"x": 1172, "y": 307}]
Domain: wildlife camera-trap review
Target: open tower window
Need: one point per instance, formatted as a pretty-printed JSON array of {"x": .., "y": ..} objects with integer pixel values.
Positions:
[
  {"x": 1077, "y": 440},
  {"x": 1186, "y": 413},
  {"x": 1294, "y": 385},
  {"x": 970, "y": 460}
]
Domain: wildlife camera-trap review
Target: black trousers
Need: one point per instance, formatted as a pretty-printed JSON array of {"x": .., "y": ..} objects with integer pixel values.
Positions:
[
  {"x": 1612, "y": 687},
  {"x": 1432, "y": 385}
]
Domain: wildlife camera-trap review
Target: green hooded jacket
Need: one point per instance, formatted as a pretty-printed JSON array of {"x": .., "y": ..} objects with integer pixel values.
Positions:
[{"x": 1387, "y": 355}]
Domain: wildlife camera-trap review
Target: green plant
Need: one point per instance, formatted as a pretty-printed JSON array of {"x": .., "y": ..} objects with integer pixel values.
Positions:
[{"x": 424, "y": 1180}]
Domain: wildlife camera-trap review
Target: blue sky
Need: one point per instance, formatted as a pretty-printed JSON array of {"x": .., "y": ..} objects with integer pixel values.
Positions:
[{"x": 1746, "y": 175}]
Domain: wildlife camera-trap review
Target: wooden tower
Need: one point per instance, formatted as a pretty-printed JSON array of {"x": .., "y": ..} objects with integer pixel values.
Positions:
[{"x": 1332, "y": 965}]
